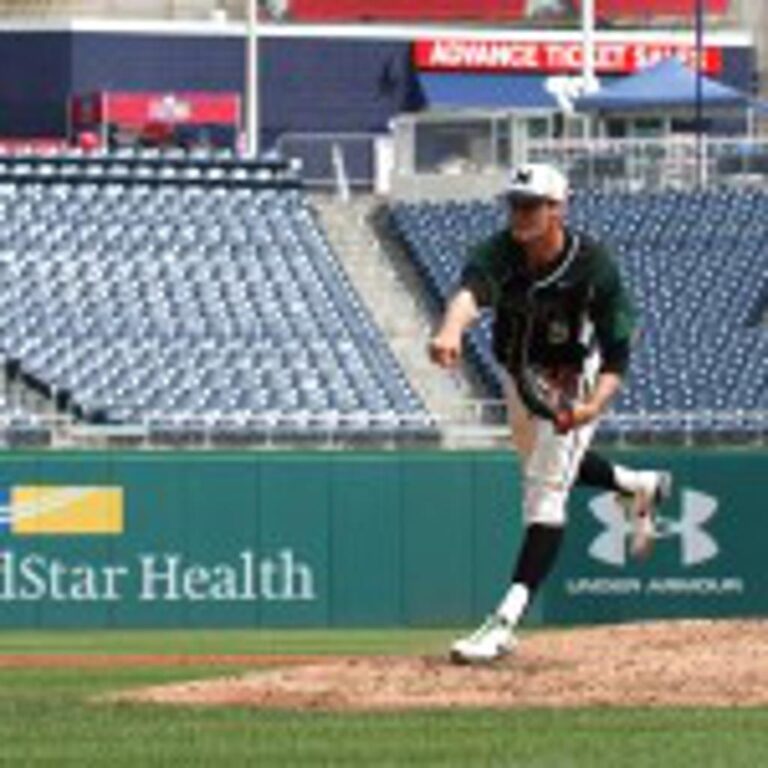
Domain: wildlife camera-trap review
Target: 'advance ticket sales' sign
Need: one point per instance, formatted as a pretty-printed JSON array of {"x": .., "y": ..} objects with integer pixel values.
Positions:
[{"x": 523, "y": 56}]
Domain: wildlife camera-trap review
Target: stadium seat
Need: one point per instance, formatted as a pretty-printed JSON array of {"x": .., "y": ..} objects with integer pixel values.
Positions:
[
  {"x": 196, "y": 308},
  {"x": 697, "y": 265}
]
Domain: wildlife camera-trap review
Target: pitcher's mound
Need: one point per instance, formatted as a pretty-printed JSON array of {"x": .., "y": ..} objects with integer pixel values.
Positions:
[{"x": 689, "y": 663}]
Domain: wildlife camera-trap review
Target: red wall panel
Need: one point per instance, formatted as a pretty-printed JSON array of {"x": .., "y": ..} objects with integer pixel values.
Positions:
[
  {"x": 329, "y": 10},
  {"x": 407, "y": 9}
]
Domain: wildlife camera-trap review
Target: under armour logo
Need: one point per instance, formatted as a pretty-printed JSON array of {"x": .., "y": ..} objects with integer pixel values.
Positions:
[{"x": 696, "y": 545}]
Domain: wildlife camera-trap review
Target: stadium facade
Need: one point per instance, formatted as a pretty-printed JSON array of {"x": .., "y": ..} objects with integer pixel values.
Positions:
[{"x": 313, "y": 79}]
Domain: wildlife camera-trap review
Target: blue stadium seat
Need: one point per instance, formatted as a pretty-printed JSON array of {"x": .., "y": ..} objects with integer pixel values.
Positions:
[
  {"x": 697, "y": 265},
  {"x": 176, "y": 304}
]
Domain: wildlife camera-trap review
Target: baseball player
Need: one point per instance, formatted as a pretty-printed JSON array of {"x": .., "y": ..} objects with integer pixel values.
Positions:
[{"x": 563, "y": 325}]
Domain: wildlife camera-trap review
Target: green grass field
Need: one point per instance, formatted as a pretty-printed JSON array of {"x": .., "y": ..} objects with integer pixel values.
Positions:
[{"x": 48, "y": 716}]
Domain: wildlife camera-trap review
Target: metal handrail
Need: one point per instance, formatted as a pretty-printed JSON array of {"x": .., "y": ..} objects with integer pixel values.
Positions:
[{"x": 487, "y": 428}]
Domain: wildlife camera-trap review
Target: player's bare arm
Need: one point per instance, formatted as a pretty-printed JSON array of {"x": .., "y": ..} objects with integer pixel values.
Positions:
[{"x": 445, "y": 347}]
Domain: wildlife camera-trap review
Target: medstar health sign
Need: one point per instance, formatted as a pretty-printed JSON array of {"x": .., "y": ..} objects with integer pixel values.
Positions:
[
  {"x": 216, "y": 539},
  {"x": 45, "y": 515},
  {"x": 706, "y": 559}
]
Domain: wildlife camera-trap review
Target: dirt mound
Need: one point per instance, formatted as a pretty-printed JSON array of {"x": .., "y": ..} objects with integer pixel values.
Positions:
[{"x": 690, "y": 663}]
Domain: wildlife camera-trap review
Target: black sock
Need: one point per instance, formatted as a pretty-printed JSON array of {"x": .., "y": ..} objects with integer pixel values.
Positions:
[
  {"x": 597, "y": 472},
  {"x": 537, "y": 556}
]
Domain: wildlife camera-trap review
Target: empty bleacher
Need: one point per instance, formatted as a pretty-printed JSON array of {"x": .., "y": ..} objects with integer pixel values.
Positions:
[
  {"x": 195, "y": 300},
  {"x": 697, "y": 265},
  {"x": 21, "y": 427}
]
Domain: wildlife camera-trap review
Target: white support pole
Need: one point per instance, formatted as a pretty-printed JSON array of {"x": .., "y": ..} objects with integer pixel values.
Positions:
[
  {"x": 588, "y": 45},
  {"x": 699, "y": 42},
  {"x": 252, "y": 80},
  {"x": 340, "y": 171}
]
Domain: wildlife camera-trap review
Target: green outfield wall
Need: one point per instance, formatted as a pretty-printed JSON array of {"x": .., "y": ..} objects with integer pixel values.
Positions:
[
  {"x": 212, "y": 539},
  {"x": 335, "y": 539}
]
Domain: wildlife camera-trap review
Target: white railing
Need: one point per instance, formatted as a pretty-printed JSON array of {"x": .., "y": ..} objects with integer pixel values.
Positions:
[
  {"x": 620, "y": 165},
  {"x": 486, "y": 428},
  {"x": 677, "y": 162},
  {"x": 323, "y": 155}
]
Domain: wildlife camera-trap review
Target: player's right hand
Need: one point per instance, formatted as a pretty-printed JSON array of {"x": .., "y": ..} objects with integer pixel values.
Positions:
[{"x": 445, "y": 349}]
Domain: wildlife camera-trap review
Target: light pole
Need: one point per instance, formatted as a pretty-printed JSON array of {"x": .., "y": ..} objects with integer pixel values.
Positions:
[
  {"x": 588, "y": 45},
  {"x": 252, "y": 79},
  {"x": 700, "y": 159},
  {"x": 589, "y": 82}
]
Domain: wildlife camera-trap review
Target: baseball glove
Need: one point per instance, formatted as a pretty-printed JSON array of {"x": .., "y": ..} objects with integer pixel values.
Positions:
[{"x": 550, "y": 394}]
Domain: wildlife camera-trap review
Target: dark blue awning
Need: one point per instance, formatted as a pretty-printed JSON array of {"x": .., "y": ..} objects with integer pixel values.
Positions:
[{"x": 502, "y": 91}]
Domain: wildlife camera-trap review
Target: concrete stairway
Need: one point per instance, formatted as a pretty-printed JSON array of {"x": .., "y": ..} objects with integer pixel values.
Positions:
[{"x": 392, "y": 290}]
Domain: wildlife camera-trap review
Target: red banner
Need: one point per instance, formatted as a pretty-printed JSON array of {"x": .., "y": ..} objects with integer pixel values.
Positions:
[
  {"x": 493, "y": 10},
  {"x": 498, "y": 56},
  {"x": 139, "y": 109}
]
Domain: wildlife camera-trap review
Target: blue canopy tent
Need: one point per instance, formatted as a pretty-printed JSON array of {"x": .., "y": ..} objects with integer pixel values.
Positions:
[
  {"x": 669, "y": 92},
  {"x": 668, "y": 86}
]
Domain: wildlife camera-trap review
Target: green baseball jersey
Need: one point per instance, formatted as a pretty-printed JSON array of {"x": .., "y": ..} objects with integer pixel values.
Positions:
[{"x": 557, "y": 317}]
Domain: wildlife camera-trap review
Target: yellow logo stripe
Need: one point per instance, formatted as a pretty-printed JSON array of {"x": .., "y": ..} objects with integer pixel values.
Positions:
[{"x": 80, "y": 510}]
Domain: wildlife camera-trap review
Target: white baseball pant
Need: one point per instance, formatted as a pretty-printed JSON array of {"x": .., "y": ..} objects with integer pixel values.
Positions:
[{"x": 550, "y": 461}]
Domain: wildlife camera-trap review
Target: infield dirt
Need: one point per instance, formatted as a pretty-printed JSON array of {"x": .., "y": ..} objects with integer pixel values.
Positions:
[{"x": 687, "y": 663}]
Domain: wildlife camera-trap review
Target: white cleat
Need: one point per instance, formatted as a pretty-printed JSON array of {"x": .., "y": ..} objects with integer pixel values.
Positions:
[
  {"x": 641, "y": 509},
  {"x": 492, "y": 641}
]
